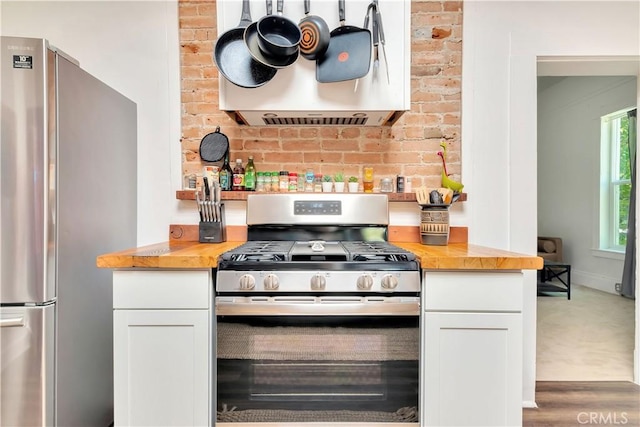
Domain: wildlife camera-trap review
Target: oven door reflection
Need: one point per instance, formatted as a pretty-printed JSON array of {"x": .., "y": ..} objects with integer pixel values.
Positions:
[{"x": 333, "y": 369}]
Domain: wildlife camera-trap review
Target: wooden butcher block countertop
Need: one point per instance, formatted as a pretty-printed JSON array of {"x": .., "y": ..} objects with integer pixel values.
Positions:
[{"x": 455, "y": 256}]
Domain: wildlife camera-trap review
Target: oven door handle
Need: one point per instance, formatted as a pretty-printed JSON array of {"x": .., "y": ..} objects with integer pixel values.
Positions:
[{"x": 317, "y": 306}]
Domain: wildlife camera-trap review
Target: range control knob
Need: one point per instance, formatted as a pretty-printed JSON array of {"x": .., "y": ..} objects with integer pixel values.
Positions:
[
  {"x": 389, "y": 281},
  {"x": 318, "y": 282},
  {"x": 365, "y": 282},
  {"x": 271, "y": 282},
  {"x": 247, "y": 282}
]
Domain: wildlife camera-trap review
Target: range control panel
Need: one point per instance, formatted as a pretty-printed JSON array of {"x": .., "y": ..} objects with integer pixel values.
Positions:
[{"x": 317, "y": 207}]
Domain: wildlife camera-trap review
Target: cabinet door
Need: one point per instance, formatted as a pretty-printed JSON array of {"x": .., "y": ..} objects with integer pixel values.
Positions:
[
  {"x": 472, "y": 369},
  {"x": 161, "y": 372}
]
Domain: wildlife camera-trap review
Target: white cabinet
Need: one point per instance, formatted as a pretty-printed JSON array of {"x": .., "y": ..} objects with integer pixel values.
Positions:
[
  {"x": 162, "y": 325},
  {"x": 472, "y": 339}
]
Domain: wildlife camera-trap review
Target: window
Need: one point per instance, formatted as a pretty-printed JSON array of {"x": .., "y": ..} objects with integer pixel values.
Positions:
[{"x": 615, "y": 181}]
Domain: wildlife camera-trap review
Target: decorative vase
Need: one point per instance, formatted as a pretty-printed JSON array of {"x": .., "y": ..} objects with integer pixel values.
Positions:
[
  {"x": 353, "y": 187},
  {"x": 339, "y": 187},
  {"x": 327, "y": 187}
]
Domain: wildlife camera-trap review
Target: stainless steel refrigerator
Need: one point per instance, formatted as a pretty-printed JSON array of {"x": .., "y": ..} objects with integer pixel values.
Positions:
[{"x": 68, "y": 193}]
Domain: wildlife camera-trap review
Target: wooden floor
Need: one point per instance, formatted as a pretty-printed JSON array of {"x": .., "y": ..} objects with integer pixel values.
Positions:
[{"x": 580, "y": 403}]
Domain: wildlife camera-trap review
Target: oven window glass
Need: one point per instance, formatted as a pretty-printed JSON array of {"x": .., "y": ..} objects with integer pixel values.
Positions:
[{"x": 324, "y": 369}]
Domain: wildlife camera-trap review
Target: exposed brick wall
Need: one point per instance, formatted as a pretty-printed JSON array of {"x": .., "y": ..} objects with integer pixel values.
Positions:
[{"x": 408, "y": 148}]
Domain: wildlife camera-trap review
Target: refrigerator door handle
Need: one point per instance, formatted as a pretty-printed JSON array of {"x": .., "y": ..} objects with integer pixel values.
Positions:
[{"x": 16, "y": 321}]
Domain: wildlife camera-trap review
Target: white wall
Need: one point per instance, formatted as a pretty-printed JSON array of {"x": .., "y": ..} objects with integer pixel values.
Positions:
[
  {"x": 133, "y": 47},
  {"x": 502, "y": 42},
  {"x": 569, "y": 115}
]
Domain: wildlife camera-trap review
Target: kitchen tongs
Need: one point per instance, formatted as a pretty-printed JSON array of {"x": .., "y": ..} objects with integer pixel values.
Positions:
[{"x": 378, "y": 37}]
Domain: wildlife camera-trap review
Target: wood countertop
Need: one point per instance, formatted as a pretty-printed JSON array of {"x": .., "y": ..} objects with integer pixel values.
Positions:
[{"x": 185, "y": 254}]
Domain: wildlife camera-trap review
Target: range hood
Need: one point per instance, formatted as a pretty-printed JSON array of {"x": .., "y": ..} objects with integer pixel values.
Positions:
[{"x": 294, "y": 98}]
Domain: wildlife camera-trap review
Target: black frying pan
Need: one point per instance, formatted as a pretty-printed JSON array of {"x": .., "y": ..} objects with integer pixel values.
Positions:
[
  {"x": 348, "y": 56},
  {"x": 233, "y": 59},
  {"x": 315, "y": 34}
]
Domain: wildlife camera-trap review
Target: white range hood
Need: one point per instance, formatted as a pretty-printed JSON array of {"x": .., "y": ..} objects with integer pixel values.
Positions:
[{"x": 294, "y": 97}]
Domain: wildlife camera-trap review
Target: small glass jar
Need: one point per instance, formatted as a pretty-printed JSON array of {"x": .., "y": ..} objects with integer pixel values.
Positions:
[
  {"x": 260, "y": 182},
  {"x": 293, "y": 181},
  {"x": 386, "y": 185},
  {"x": 317, "y": 183},
  {"x": 308, "y": 182},
  {"x": 301, "y": 181},
  {"x": 275, "y": 181},
  {"x": 284, "y": 181}
]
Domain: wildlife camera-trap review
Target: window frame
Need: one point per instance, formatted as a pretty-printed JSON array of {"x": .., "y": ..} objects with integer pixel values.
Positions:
[{"x": 610, "y": 182}]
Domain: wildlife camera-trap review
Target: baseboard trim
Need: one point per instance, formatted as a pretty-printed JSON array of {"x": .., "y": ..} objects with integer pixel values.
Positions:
[
  {"x": 529, "y": 404},
  {"x": 595, "y": 281}
]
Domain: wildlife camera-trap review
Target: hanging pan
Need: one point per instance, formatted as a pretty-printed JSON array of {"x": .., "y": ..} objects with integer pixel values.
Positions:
[
  {"x": 315, "y": 34},
  {"x": 252, "y": 42},
  {"x": 278, "y": 36},
  {"x": 233, "y": 59},
  {"x": 348, "y": 56},
  {"x": 214, "y": 146}
]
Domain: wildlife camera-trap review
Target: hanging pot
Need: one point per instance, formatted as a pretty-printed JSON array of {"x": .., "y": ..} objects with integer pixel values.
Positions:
[
  {"x": 278, "y": 36},
  {"x": 214, "y": 146},
  {"x": 252, "y": 42}
]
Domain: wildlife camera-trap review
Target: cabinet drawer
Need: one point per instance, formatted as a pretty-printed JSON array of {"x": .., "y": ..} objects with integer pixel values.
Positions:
[
  {"x": 473, "y": 291},
  {"x": 162, "y": 289}
]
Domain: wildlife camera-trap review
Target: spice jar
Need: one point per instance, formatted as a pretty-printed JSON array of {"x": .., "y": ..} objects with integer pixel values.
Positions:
[
  {"x": 260, "y": 182},
  {"x": 317, "y": 183},
  {"x": 284, "y": 181},
  {"x": 275, "y": 181},
  {"x": 407, "y": 185},
  {"x": 308, "y": 183},
  {"x": 293, "y": 181}
]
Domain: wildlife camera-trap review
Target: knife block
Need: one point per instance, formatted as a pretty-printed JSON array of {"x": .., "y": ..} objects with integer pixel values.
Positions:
[{"x": 213, "y": 232}]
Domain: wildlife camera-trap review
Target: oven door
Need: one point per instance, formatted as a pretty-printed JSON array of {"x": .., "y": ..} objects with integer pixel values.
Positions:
[{"x": 332, "y": 360}]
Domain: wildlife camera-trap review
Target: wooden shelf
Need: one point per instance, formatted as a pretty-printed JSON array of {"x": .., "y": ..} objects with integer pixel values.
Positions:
[{"x": 242, "y": 195}]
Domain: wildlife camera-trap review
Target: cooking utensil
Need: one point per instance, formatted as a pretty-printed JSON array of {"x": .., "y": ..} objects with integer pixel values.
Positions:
[
  {"x": 348, "y": 56},
  {"x": 278, "y": 36},
  {"x": 251, "y": 40},
  {"x": 214, "y": 146},
  {"x": 381, "y": 37},
  {"x": 372, "y": 10},
  {"x": 233, "y": 59},
  {"x": 315, "y": 34}
]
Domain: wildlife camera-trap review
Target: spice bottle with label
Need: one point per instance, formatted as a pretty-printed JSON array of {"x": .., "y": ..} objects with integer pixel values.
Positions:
[
  {"x": 275, "y": 181},
  {"x": 238, "y": 176},
  {"x": 226, "y": 175},
  {"x": 250, "y": 175},
  {"x": 293, "y": 181},
  {"x": 284, "y": 181},
  {"x": 407, "y": 185},
  {"x": 260, "y": 182}
]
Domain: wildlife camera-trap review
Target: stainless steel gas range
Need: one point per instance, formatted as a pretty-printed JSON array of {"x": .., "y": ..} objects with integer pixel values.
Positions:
[{"x": 317, "y": 316}]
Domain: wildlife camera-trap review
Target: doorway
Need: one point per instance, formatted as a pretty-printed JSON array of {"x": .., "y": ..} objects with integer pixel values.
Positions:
[{"x": 591, "y": 336}]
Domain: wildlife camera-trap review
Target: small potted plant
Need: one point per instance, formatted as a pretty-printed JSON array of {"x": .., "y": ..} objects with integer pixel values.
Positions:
[
  {"x": 327, "y": 183},
  {"x": 353, "y": 184},
  {"x": 338, "y": 182}
]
